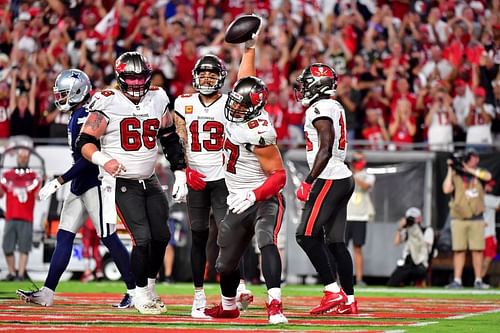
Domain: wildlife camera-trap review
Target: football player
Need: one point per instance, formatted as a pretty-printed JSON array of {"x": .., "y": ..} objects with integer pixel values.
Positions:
[
  {"x": 327, "y": 188},
  {"x": 200, "y": 121},
  {"x": 254, "y": 176},
  {"x": 125, "y": 123},
  {"x": 72, "y": 94}
]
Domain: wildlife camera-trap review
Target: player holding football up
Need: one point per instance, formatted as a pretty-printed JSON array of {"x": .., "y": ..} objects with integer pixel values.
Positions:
[
  {"x": 327, "y": 188},
  {"x": 72, "y": 94},
  {"x": 200, "y": 122},
  {"x": 254, "y": 176},
  {"x": 126, "y": 123}
]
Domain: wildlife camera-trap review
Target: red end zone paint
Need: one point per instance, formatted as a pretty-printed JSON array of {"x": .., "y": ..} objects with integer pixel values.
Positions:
[{"x": 78, "y": 312}]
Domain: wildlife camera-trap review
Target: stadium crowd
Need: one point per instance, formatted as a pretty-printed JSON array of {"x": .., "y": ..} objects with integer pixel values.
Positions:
[{"x": 410, "y": 71}]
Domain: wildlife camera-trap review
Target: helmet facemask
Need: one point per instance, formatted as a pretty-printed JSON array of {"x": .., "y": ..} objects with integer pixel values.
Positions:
[
  {"x": 133, "y": 74},
  {"x": 316, "y": 81},
  {"x": 71, "y": 87},
  {"x": 207, "y": 70},
  {"x": 246, "y": 100}
]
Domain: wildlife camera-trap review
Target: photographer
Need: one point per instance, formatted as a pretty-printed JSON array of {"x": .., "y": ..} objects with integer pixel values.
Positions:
[
  {"x": 464, "y": 182},
  {"x": 418, "y": 241}
]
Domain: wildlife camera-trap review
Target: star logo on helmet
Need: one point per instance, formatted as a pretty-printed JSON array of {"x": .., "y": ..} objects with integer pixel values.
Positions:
[{"x": 75, "y": 75}]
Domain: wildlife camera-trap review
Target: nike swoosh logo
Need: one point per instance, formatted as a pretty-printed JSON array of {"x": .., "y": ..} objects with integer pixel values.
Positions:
[
  {"x": 259, "y": 132},
  {"x": 343, "y": 310},
  {"x": 338, "y": 298}
]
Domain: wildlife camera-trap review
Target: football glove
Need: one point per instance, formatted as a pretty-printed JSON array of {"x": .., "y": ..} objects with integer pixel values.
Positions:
[
  {"x": 48, "y": 189},
  {"x": 179, "y": 189},
  {"x": 195, "y": 179},
  {"x": 303, "y": 191},
  {"x": 241, "y": 202}
]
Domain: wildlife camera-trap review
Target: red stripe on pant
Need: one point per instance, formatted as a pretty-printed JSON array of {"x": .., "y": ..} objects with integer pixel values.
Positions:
[
  {"x": 317, "y": 206},
  {"x": 125, "y": 225},
  {"x": 279, "y": 219}
]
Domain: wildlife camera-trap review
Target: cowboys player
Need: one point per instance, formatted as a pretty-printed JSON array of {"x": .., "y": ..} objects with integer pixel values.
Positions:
[
  {"x": 254, "y": 176},
  {"x": 200, "y": 121},
  {"x": 327, "y": 188},
  {"x": 72, "y": 94},
  {"x": 126, "y": 122}
]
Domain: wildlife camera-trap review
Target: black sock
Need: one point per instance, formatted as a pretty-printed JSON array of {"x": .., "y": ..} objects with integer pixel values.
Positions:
[
  {"x": 271, "y": 266},
  {"x": 316, "y": 250},
  {"x": 199, "y": 255},
  {"x": 344, "y": 262}
]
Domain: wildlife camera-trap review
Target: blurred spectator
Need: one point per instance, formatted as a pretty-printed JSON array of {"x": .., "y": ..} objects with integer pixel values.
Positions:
[
  {"x": 4, "y": 110},
  {"x": 463, "y": 100},
  {"x": 90, "y": 245},
  {"x": 478, "y": 120},
  {"x": 360, "y": 210},
  {"x": 402, "y": 127},
  {"x": 278, "y": 117},
  {"x": 440, "y": 120},
  {"x": 492, "y": 207},
  {"x": 21, "y": 186},
  {"x": 417, "y": 243},
  {"x": 22, "y": 105}
]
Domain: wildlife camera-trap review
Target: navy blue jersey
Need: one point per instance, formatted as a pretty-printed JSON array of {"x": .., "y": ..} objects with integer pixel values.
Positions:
[{"x": 83, "y": 173}]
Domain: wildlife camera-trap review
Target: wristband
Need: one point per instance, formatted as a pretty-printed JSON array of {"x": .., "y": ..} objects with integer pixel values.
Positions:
[
  {"x": 100, "y": 158},
  {"x": 309, "y": 179}
]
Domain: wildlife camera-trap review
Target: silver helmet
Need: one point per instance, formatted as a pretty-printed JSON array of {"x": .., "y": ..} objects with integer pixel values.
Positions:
[{"x": 72, "y": 87}]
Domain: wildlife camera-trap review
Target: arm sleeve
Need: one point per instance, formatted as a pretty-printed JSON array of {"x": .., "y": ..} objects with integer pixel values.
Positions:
[{"x": 73, "y": 172}]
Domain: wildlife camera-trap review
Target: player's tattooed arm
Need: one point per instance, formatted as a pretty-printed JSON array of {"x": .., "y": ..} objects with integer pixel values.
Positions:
[
  {"x": 95, "y": 124},
  {"x": 180, "y": 127}
]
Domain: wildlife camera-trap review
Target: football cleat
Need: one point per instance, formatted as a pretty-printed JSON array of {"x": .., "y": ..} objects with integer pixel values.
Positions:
[
  {"x": 243, "y": 299},
  {"x": 218, "y": 312},
  {"x": 43, "y": 296},
  {"x": 147, "y": 306},
  {"x": 329, "y": 301},
  {"x": 159, "y": 304},
  {"x": 275, "y": 313},
  {"x": 126, "y": 302},
  {"x": 199, "y": 305},
  {"x": 344, "y": 309}
]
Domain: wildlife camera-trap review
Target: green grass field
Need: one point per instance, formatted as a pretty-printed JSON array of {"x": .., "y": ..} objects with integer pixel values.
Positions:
[{"x": 391, "y": 310}]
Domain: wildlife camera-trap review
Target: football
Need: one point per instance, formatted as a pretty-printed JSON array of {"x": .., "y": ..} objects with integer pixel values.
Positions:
[{"x": 242, "y": 29}]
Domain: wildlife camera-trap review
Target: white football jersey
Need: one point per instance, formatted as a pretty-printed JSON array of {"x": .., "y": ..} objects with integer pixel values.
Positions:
[
  {"x": 328, "y": 108},
  {"x": 132, "y": 129},
  {"x": 242, "y": 168},
  {"x": 205, "y": 133}
]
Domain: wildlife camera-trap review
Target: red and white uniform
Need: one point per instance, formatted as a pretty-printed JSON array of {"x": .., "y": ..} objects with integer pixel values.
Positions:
[
  {"x": 480, "y": 131},
  {"x": 205, "y": 134},
  {"x": 440, "y": 130},
  {"x": 20, "y": 186},
  {"x": 328, "y": 108},
  {"x": 243, "y": 172},
  {"x": 132, "y": 129}
]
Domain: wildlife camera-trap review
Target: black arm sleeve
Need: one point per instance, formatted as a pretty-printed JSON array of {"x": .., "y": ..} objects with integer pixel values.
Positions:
[
  {"x": 174, "y": 151},
  {"x": 83, "y": 139}
]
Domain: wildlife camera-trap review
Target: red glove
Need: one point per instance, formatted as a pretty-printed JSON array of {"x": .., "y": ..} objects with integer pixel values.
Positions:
[
  {"x": 195, "y": 179},
  {"x": 303, "y": 191}
]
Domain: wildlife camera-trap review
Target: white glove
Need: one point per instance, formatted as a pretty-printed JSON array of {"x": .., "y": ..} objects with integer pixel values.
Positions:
[
  {"x": 250, "y": 44},
  {"x": 179, "y": 189},
  {"x": 241, "y": 202},
  {"x": 48, "y": 189}
]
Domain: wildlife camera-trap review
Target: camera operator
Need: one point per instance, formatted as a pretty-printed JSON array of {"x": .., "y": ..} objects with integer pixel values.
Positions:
[
  {"x": 466, "y": 209},
  {"x": 418, "y": 241}
]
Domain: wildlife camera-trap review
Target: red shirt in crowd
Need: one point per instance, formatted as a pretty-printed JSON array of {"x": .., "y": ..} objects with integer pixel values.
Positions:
[
  {"x": 21, "y": 187},
  {"x": 279, "y": 119},
  {"x": 295, "y": 112},
  {"x": 4, "y": 118}
]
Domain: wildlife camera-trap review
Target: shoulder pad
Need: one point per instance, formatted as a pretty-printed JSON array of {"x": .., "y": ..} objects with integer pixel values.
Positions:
[
  {"x": 260, "y": 132},
  {"x": 101, "y": 100}
]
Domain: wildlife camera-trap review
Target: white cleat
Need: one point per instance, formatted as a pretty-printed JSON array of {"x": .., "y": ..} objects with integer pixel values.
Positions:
[
  {"x": 43, "y": 296},
  {"x": 147, "y": 307},
  {"x": 199, "y": 305},
  {"x": 159, "y": 304},
  {"x": 243, "y": 299}
]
